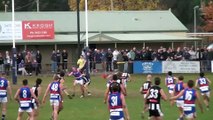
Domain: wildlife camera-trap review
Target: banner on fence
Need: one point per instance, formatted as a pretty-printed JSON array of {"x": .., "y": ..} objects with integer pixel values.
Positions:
[
  {"x": 147, "y": 67},
  {"x": 181, "y": 66}
]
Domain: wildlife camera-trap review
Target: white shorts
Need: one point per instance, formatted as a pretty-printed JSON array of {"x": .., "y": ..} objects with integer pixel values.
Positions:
[
  {"x": 170, "y": 91},
  {"x": 3, "y": 100},
  {"x": 179, "y": 103},
  {"x": 54, "y": 102},
  {"x": 119, "y": 119},
  {"x": 27, "y": 110},
  {"x": 191, "y": 115},
  {"x": 206, "y": 93},
  {"x": 81, "y": 82}
]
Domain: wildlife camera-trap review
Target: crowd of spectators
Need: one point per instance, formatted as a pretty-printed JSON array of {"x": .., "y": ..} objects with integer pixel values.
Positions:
[
  {"x": 110, "y": 58},
  {"x": 105, "y": 60}
]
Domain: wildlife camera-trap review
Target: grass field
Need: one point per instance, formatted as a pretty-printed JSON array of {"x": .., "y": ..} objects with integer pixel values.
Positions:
[{"x": 93, "y": 108}]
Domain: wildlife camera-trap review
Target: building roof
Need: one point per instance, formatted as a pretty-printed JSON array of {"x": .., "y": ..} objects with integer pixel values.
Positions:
[
  {"x": 109, "y": 38},
  {"x": 106, "y": 21}
]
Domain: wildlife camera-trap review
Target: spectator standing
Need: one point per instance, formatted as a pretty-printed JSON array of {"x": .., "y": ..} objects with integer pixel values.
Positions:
[
  {"x": 125, "y": 59},
  {"x": 54, "y": 62},
  {"x": 19, "y": 59},
  {"x": 97, "y": 58},
  {"x": 64, "y": 59},
  {"x": 58, "y": 54},
  {"x": 103, "y": 59},
  {"x": 1, "y": 63},
  {"x": 115, "y": 58},
  {"x": 39, "y": 60},
  {"x": 109, "y": 56},
  {"x": 131, "y": 55},
  {"x": 192, "y": 54},
  {"x": 7, "y": 63},
  {"x": 28, "y": 63}
]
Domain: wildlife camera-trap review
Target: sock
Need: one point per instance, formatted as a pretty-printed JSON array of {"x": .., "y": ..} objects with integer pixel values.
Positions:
[{"x": 3, "y": 116}]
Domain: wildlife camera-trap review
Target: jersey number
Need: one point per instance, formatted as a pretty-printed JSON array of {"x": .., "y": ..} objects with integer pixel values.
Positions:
[
  {"x": 2, "y": 83},
  {"x": 146, "y": 86},
  {"x": 188, "y": 95},
  {"x": 202, "y": 81},
  {"x": 24, "y": 92},
  {"x": 170, "y": 80},
  {"x": 153, "y": 93},
  {"x": 54, "y": 87},
  {"x": 114, "y": 100}
]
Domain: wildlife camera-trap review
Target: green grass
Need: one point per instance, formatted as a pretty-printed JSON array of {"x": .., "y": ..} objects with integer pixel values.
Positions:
[{"x": 93, "y": 108}]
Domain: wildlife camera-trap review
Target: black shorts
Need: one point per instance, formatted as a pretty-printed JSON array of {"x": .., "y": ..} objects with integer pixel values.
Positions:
[
  {"x": 86, "y": 80},
  {"x": 155, "y": 113}
]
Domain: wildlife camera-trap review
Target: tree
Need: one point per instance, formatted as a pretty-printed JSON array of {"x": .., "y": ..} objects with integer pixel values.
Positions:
[
  {"x": 45, "y": 5},
  {"x": 207, "y": 17},
  {"x": 117, "y": 4}
]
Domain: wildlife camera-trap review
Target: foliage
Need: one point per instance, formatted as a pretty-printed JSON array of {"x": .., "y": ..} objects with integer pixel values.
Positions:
[
  {"x": 117, "y": 4},
  {"x": 207, "y": 18}
]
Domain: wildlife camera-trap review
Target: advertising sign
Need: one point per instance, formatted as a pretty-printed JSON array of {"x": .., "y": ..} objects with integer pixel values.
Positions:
[
  {"x": 147, "y": 67},
  {"x": 38, "y": 30},
  {"x": 6, "y": 30},
  {"x": 181, "y": 66}
]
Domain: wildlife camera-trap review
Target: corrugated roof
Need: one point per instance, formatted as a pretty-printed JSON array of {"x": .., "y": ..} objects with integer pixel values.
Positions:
[
  {"x": 106, "y": 21},
  {"x": 110, "y": 38}
]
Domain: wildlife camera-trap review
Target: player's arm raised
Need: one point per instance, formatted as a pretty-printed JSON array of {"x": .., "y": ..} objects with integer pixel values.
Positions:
[
  {"x": 198, "y": 102},
  {"x": 163, "y": 95},
  {"x": 45, "y": 94},
  {"x": 9, "y": 89},
  {"x": 125, "y": 107}
]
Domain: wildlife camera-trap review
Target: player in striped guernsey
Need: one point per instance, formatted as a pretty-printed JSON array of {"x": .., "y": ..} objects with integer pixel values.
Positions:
[
  {"x": 110, "y": 82},
  {"x": 37, "y": 91},
  {"x": 203, "y": 84},
  {"x": 55, "y": 90},
  {"x": 117, "y": 104},
  {"x": 190, "y": 97},
  {"x": 78, "y": 80},
  {"x": 179, "y": 86},
  {"x": 4, "y": 88},
  {"x": 143, "y": 90},
  {"x": 24, "y": 96},
  {"x": 154, "y": 95},
  {"x": 170, "y": 82}
]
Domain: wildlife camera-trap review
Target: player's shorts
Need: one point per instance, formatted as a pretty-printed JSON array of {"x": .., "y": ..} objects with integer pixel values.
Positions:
[
  {"x": 86, "y": 81},
  {"x": 117, "y": 114},
  {"x": 170, "y": 91},
  {"x": 25, "y": 110},
  {"x": 190, "y": 116},
  {"x": 206, "y": 93},
  {"x": 81, "y": 82},
  {"x": 180, "y": 103},
  {"x": 155, "y": 111},
  {"x": 3, "y": 99},
  {"x": 54, "y": 102}
]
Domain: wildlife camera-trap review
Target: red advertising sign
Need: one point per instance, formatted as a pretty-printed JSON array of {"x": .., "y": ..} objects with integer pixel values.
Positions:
[{"x": 38, "y": 30}]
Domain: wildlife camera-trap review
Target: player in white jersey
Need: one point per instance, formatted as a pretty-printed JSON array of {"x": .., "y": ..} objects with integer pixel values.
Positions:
[{"x": 203, "y": 84}]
